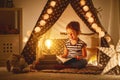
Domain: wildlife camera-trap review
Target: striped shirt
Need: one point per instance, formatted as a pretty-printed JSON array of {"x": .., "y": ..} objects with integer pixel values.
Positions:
[{"x": 75, "y": 50}]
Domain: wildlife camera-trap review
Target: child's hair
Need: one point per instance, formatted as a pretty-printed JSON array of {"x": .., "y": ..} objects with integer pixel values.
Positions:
[{"x": 74, "y": 25}]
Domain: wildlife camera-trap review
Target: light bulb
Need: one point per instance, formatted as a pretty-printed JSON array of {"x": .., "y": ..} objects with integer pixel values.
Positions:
[
  {"x": 108, "y": 38},
  {"x": 28, "y": 33},
  {"x": 101, "y": 34},
  {"x": 98, "y": 29},
  {"x": 94, "y": 26},
  {"x": 46, "y": 16},
  {"x": 37, "y": 29},
  {"x": 88, "y": 14},
  {"x": 48, "y": 43},
  {"x": 82, "y": 2},
  {"x": 25, "y": 39},
  {"x": 49, "y": 11},
  {"x": 85, "y": 8},
  {"x": 42, "y": 22},
  {"x": 53, "y": 3},
  {"x": 90, "y": 19}
]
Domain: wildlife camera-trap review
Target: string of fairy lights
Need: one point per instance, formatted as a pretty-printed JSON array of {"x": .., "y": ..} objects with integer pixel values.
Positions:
[
  {"x": 45, "y": 17},
  {"x": 91, "y": 19}
]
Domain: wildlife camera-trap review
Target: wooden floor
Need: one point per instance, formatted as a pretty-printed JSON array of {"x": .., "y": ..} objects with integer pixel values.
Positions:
[{"x": 4, "y": 75}]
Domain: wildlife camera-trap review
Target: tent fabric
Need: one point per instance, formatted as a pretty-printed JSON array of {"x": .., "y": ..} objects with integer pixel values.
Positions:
[
  {"x": 57, "y": 11},
  {"x": 28, "y": 50},
  {"x": 113, "y": 64},
  {"x": 53, "y": 14}
]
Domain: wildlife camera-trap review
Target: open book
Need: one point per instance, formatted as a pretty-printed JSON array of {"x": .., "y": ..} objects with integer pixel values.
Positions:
[{"x": 62, "y": 60}]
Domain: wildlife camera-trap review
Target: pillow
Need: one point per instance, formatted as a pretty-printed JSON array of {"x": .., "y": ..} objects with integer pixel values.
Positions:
[{"x": 109, "y": 51}]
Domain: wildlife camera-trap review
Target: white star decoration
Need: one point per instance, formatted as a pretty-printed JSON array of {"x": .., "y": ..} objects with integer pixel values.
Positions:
[
  {"x": 114, "y": 55},
  {"x": 109, "y": 51}
]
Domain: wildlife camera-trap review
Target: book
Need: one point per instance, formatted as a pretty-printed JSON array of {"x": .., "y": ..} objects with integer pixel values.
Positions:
[{"x": 61, "y": 59}]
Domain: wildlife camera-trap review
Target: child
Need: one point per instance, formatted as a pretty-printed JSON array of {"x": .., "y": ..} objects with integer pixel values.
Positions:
[{"x": 74, "y": 48}]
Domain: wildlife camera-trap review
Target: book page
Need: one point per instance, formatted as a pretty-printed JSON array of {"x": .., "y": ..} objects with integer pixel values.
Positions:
[{"x": 63, "y": 60}]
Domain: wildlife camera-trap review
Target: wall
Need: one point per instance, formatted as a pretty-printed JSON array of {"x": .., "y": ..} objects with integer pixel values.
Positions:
[
  {"x": 110, "y": 17},
  {"x": 31, "y": 12}
]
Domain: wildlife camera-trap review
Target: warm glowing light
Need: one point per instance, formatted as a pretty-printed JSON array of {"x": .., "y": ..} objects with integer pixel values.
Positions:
[
  {"x": 88, "y": 14},
  {"x": 85, "y": 8},
  {"x": 48, "y": 43},
  {"x": 37, "y": 29},
  {"x": 93, "y": 60},
  {"x": 49, "y": 11},
  {"x": 25, "y": 39},
  {"x": 28, "y": 33},
  {"x": 82, "y": 2},
  {"x": 46, "y": 16},
  {"x": 53, "y": 3},
  {"x": 42, "y": 22},
  {"x": 94, "y": 26},
  {"x": 91, "y": 19},
  {"x": 108, "y": 38},
  {"x": 98, "y": 29},
  {"x": 39, "y": 43},
  {"x": 102, "y": 34}
]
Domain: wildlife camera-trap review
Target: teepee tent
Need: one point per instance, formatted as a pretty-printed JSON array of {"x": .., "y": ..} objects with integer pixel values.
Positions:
[{"x": 52, "y": 12}]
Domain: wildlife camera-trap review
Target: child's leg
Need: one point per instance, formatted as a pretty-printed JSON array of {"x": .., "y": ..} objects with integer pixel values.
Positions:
[
  {"x": 73, "y": 63},
  {"x": 78, "y": 63}
]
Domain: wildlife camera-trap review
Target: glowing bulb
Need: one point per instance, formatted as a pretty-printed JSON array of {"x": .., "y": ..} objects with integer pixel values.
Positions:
[
  {"x": 37, "y": 29},
  {"x": 94, "y": 26},
  {"x": 101, "y": 34},
  {"x": 90, "y": 19},
  {"x": 108, "y": 38},
  {"x": 53, "y": 3},
  {"x": 28, "y": 33},
  {"x": 85, "y": 8},
  {"x": 82, "y": 2},
  {"x": 48, "y": 43},
  {"x": 42, "y": 22},
  {"x": 49, "y": 11},
  {"x": 25, "y": 39},
  {"x": 88, "y": 14},
  {"x": 98, "y": 29},
  {"x": 46, "y": 16}
]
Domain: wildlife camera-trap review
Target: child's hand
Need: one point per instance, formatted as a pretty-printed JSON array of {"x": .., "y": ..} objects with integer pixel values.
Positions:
[
  {"x": 63, "y": 56},
  {"x": 78, "y": 57}
]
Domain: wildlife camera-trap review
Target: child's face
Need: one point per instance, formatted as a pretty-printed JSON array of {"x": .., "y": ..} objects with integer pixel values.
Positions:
[{"x": 72, "y": 34}]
